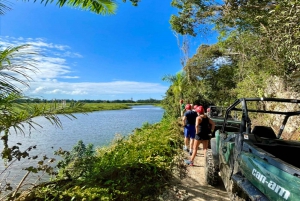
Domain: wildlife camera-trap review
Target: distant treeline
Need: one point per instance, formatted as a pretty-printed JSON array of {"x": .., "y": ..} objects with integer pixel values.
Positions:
[{"x": 37, "y": 100}]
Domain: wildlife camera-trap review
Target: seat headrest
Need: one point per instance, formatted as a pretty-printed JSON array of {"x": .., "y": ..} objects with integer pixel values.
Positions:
[{"x": 264, "y": 131}]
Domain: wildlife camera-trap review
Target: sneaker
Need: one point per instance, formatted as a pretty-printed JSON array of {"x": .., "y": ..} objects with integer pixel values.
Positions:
[
  {"x": 189, "y": 162},
  {"x": 185, "y": 149}
]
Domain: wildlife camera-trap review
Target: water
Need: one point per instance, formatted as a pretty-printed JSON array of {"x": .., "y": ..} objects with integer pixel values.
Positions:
[{"x": 98, "y": 128}]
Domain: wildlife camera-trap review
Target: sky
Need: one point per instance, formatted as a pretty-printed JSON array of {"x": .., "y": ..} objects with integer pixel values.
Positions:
[{"x": 83, "y": 55}]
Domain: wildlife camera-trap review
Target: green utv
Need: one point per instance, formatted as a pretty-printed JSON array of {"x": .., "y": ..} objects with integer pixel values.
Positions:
[
  {"x": 216, "y": 113},
  {"x": 253, "y": 161}
]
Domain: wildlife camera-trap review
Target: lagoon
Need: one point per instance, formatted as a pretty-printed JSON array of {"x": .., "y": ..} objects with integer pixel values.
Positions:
[{"x": 98, "y": 128}]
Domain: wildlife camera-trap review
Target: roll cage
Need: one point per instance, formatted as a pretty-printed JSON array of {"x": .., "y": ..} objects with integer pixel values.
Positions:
[{"x": 245, "y": 124}]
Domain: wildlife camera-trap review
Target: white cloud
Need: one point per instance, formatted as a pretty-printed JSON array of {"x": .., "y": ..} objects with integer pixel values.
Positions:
[
  {"x": 115, "y": 87},
  {"x": 37, "y": 43},
  {"x": 70, "y": 54},
  {"x": 38, "y": 90},
  {"x": 70, "y": 77},
  {"x": 54, "y": 67}
]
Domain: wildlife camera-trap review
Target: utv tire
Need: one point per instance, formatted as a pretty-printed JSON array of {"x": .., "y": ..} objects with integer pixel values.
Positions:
[{"x": 211, "y": 173}]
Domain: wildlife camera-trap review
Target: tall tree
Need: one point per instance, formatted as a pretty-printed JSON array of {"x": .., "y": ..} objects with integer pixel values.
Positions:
[
  {"x": 213, "y": 72},
  {"x": 221, "y": 14},
  {"x": 275, "y": 24}
]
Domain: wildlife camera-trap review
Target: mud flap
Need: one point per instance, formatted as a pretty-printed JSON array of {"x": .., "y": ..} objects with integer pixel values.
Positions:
[{"x": 248, "y": 188}]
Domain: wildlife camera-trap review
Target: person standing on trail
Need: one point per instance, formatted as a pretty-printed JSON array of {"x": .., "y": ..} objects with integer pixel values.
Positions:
[
  {"x": 204, "y": 126},
  {"x": 208, "y": 112},
  {"x": 194, "y": 108},
  {"x": 188, "y": 122},
  {"x": 182, "y": 107}
]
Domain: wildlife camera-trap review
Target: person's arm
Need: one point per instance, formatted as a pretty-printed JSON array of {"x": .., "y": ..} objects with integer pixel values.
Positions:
[
  {"x": 212, "y": 123},
  {"x": 184, "y": 120}
]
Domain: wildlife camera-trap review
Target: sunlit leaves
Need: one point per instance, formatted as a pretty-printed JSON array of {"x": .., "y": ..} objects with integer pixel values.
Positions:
[
  {"x": 275, "y": 24},
  {"x": 192, "y": 14},
  {"x": 15, "y": 65},
  {"x": 103, "y": 7},
  {"x": 178, "y": 82},
  {"x": 77, "y": 162},
  {"x": 134, "y": 2},
  {"x": 284, "y": 32}
]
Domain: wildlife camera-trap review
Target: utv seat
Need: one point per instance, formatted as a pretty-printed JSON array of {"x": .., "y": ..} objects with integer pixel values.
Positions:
[
  {"x": 264, "y": 131},
  {"x": 232, "y": 129}
]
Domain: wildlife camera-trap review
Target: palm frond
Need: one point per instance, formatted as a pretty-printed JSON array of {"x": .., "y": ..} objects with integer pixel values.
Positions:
[
  {"x": 15, "y": 61},
  {"x": 4, "y": 6},
  {"x": 102, "y": 7}
]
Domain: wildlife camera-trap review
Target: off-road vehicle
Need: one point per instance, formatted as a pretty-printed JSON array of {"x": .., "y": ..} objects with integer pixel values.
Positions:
[{"x": 252, "y": 160}]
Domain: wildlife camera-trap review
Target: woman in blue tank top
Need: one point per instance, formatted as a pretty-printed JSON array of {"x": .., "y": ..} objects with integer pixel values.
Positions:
[{"x": 204, "y": 126}]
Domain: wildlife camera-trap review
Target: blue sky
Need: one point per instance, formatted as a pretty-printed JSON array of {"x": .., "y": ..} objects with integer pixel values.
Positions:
[{"x": 89, "y": 56}]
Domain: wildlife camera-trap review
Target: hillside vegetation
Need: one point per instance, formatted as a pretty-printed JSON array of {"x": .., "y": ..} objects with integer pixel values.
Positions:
[
  {"x": 257, "y": 53},
  {"x": 259, "y": 41}
]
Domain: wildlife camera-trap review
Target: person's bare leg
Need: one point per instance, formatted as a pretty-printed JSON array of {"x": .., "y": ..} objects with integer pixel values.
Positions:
[
  {"x": 186, "y": 142},
  {"x": 205, "y": 146},
  {"x": 191, "y": 144},
  {"x": 196, "y": 144}
]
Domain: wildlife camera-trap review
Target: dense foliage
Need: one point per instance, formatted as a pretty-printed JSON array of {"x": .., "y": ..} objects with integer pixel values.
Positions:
[{"x": 258, "y": 41}]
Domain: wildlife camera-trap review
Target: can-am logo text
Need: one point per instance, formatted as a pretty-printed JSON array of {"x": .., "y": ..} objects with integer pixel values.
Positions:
[{"x": 271, "y": 184}]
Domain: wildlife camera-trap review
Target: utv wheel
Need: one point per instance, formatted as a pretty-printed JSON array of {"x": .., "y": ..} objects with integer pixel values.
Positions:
[{"x": 211, "y": 173}]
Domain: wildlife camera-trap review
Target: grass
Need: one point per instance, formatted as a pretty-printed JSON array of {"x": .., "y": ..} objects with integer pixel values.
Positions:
[
  {"x": 74, "y": 107},
  {"x": 91, "y": 107}
]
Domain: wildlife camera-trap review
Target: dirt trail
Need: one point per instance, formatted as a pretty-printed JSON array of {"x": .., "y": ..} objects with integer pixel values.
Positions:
[
  {"x": 190, "y": 185},
  {"x": 195, "y": 184}
]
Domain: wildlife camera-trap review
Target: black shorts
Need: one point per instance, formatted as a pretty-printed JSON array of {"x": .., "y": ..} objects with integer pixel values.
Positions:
[{"x": 201, "y": 136}]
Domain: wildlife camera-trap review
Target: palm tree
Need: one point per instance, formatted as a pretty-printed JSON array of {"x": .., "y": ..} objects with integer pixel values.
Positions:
[
  {"x": 14, "y": 60},
  {"x": 102, "y": 7},
  {"x": 15, "y": 66},
  {"x": 177, "y": 82}
]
